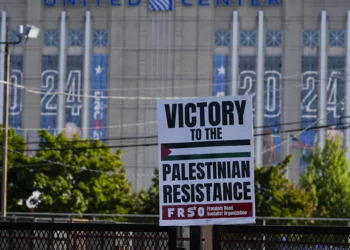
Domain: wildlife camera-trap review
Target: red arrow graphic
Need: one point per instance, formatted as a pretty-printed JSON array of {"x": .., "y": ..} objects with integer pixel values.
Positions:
[{"x": 165, "y": 152}]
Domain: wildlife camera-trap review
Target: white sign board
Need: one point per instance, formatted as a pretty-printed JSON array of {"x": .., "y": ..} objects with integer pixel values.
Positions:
[{"x": 206, "y": 161}]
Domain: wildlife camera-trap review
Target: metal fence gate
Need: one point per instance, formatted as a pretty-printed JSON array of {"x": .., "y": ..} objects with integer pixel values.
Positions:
[{"x": 280, "y": 237}]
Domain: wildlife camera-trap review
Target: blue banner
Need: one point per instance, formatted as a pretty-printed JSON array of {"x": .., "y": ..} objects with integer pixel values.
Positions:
[
  {"x": 221, "y": 75},
  {"x": 272, "y": 98},
  {"x": 247, "y": 77},
  {"x": 336, "y": 90},
  {"x": 272, "y": 110},
  {"x": 335, "y": 97},
  {"x": 74, "y": 95},
  {"x": 98, "y": 106},
  {"x": 15, "y": 98},
  {"x": 49, "y": 85},
  {"x": 309, "y": 106}
]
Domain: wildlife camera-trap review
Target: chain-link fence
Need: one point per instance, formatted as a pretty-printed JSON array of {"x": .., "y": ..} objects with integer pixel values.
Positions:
[
  {"x": 114, "y": 236},
  {"x": 281, "y": 238},
  {"x": 70, "y": 236}
]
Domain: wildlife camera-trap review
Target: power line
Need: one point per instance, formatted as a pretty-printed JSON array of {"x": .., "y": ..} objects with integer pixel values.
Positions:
[
  {"x": 286, "y": 141},
  {"x": 156, "y": 136},
  {"x": 156, "y": 144},
  {"x": 145, "y": 98}
]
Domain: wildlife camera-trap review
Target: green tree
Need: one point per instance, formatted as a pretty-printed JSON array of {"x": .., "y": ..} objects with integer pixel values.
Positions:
[
  {"x": 147, "y": 201},
  {"x": 79, "y": 176},
  {"x": 327, "y": 179},
  {"x": 18, "y": 174},
  {"x": 276, "y": 196}
]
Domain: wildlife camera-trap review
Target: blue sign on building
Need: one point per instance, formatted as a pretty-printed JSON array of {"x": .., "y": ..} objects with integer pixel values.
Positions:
[
  {"x": 49, "y": 85},
  {"x": 15, "y": 107},
  {"x": 221, "y": 75},
  {"x": 98, "y": 104},
  {"x": 74, "y": 100}
]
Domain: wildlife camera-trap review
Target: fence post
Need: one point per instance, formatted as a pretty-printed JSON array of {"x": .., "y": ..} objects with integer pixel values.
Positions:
[
  {"x": 195, "y": 238},
  {"x": 348, "y": 234},
  {"x": 216, "y": 238},
  {"x": 172, "y": 238},
  {"x": 264, "y": 237},
  {"x": 208, "y": 237}
]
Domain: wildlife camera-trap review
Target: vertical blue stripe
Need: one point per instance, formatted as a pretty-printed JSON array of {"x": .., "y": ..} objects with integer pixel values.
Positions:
[
  {"x": 15, "y": 98},
  {"x": 247, "y": 78},
  {"x": 336, "y": 90},
  {"x": 221, "y": 75},
  {"x": 98, "y": 106},
  {"x": 309, "y": 103},
  {"x": 272, "y": 110},
  {"x": 49, "y": 85},
  {"x": 74, "y": 98}
]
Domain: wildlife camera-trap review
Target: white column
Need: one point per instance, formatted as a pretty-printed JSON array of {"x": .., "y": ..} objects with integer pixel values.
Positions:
[
  {"x": 323, "y": 81},
  {"x": 234, "y": 59},
  {"x": 260, "y": 92},
  {"x": 2, "y": 62},
  {"x": 62, "y": 74},
  {"x": 85, "y": 123},
  {"x": 347, "y": 92}
]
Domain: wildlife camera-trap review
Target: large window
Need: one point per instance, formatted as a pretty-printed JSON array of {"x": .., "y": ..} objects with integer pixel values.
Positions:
[
  {"x": 222, "y": 38},
  {"x": 248, "y": 38},
  {"x": 75, "y": 38},
  {"x": 336, "y": 38},
  {"x": 274, "y": 38},
  {"x": 13, "y": 37},
  {"x": 311, "y": 38},
  {"x": 100, "y": 38},
  {"x": 51, "y": 38}
]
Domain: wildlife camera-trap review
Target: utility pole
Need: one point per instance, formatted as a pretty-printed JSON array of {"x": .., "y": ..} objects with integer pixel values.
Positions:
[
  {"x": 7, "y": 79},
  {"x": 5, "y": 131}
]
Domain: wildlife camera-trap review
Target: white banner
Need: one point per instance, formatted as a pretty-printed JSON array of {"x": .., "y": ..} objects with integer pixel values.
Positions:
[{"x": 206, "y": 161}]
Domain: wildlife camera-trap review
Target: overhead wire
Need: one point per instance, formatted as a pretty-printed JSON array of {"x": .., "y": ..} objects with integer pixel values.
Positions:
[
  {"x": 156, "y": 136},
  {"x": 40, "y": 92},
  {"x": 117, "y": 97},
  {"x": 156, "y": 144},
  {"x": 153, "y": 77},
  {"x": 98, "y": 171}
]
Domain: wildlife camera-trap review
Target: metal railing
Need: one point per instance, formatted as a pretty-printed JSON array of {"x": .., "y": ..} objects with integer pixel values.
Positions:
[
  {"x": 151, "y": 218},
  {"x": 135, "y": 236},
  {"x": 281, "y": 238},
  {"x": 43, "y": 236}
]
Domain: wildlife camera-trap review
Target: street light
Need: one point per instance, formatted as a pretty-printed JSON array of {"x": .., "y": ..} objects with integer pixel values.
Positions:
[{"x": 29, "y": 31}]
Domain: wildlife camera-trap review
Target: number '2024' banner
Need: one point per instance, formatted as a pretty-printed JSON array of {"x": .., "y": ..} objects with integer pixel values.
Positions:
[
  {"x": 310, "y": 101},
  {"x": 49, "y": 85},
  {"x": 15, "y": 98},
  {"x": 98, "y": 105},
  {"x": 205, "y": 176},
  {"x": 272, "y": 97},
  {"x": 74, "y": 97}
]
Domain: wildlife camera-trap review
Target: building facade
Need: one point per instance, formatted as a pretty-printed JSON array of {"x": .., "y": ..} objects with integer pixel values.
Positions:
[{"x": 291, "y": 56}]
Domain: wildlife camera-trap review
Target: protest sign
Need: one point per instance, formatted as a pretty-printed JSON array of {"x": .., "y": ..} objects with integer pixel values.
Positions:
[{"x": 206, "y": 161}]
